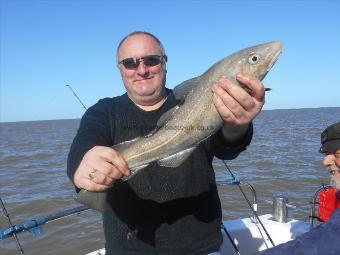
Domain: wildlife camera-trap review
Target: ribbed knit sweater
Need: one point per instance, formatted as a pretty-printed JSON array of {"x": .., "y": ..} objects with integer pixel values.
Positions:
[{"x": 160, "y": 210}]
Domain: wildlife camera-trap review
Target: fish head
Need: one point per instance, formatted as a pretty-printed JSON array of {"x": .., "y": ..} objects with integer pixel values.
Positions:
[
  {"x": 255, "y": 61},
  {"x": 258, "y": 60}
]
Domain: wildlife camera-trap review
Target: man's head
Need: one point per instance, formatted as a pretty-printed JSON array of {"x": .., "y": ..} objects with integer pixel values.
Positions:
[
  {"x": 330, "y": 146},
  {"x": 142, "y": 63},
  {"x": 330, "y": 138}
]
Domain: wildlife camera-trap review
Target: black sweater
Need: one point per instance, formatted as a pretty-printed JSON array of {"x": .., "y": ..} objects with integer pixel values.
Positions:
[{"x": 160, "y": 210}]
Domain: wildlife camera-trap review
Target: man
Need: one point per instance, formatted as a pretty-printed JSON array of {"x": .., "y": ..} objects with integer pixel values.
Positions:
[
  {"x": 325, "y": 238},
  {"x": 160, "y": 210},
  {"x": 330, "y": 140}
]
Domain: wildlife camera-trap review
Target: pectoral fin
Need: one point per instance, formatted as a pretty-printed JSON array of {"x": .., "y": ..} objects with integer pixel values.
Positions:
[
  {"x": 98, "y": 200},
  {"x": 176, "y": 159},
  {"x": 133, "y": 171}
]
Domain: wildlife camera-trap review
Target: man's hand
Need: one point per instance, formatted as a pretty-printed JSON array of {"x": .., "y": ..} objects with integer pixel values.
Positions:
[
  {"x": 99, "y": 168},
  {"x": 237, "y": 107}
]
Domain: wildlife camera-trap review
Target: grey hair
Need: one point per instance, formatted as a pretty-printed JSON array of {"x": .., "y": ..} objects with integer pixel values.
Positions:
[{"x": 140, "y": 33}]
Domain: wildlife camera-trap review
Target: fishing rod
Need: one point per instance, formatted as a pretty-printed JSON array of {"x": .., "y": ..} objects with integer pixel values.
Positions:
[
  {"x": 19, "y": 247},
  {"x": 74, "y": 93},
  {"x": 231, "y": 239},
  {"x": 248, "y": 202},
  {"x": 34, "y": 226}
]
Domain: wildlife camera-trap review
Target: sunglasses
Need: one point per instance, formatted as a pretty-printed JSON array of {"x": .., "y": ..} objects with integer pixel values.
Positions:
[{"x": 149, "y": 61}]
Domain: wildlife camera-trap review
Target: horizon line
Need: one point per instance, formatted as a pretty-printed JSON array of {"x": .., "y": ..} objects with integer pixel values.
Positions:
[{"x": 15, "y": 121}]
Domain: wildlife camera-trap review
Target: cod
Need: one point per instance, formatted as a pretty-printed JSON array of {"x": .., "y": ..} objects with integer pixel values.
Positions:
[{"x": 180, "y": 130}]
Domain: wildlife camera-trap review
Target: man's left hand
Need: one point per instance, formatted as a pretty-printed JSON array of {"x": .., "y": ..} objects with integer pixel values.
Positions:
[{"x": 237, "y": 107}]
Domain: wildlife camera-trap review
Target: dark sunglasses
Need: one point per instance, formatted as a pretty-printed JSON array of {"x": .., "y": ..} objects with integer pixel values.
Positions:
[{"x": 150, "y": 60}]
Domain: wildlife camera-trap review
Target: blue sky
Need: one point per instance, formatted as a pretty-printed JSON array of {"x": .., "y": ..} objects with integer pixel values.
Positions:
[{"x": 48, "y": 44}]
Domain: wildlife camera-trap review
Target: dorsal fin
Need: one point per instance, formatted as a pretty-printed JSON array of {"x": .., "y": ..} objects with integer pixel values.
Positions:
[{"x": 184, "y": 88}]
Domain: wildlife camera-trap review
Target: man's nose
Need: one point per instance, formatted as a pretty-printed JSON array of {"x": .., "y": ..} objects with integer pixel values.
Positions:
[
  {"x": 328, "y": 160},
  {"x": 142, "y": 69}
]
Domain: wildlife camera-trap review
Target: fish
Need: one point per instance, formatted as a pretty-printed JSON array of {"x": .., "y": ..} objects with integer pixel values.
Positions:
[{"x": 180, "y": 130}]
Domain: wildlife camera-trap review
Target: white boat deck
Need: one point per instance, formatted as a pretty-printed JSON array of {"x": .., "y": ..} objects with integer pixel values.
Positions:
[{"x": 250, "y": 237}]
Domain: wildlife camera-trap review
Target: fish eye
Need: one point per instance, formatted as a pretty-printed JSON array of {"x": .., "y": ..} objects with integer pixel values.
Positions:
[{"x": 254, "y": 59}]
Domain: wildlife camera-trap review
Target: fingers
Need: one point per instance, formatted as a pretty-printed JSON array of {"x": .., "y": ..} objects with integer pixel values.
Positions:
[
  {"x": 231, "y": 102},
  {"x": 232, "y": 96},
  {"x": 92, "y": 186},
  {"x": 100, "y": 168},
  {"x": 225, "y": 111},
  {"x": 115, "y": 158},
  {"x": 234, "y": 104},
  {"x": 255, "y": 85},
  {"x": 107, "y": 170}
]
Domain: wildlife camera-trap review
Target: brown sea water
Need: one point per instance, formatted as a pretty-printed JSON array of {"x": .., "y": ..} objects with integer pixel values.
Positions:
[{"x": 283, "y": 158}]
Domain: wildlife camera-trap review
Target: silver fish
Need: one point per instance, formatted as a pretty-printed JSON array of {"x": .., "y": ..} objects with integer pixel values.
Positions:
[{"x": 181, "y": 129}]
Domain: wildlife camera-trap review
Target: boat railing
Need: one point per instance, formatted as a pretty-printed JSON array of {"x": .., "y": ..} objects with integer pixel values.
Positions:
[{"x": 314, "y": 203}]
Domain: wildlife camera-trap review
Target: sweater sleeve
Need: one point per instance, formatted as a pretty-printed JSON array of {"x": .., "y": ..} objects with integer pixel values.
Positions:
[
  {"x": 95, "y": 129},
  {"x": 221, "y": 149}
]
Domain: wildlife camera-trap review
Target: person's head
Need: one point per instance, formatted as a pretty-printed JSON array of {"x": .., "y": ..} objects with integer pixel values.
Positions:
[
  {"x": 141, "y": 60},
  {"x": 330, "y": 147}
]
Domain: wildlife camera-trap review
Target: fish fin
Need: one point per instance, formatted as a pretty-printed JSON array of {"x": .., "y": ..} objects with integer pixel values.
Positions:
[
  {"x": 165, "y": 117},
  {"x": 180, "y": 92},
  {"x": 97, "y": 200},
  {"x": 94, "y": 200},
  {"x": 176, "y": 159},
  {"x": 133, "y": 171},
  {"x": 183, "y": 89}
]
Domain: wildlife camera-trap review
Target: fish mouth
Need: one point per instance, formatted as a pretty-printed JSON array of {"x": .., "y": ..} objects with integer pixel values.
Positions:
[
  {"x": 276, "y": 48},
  {"x": 277, "y": 53}
]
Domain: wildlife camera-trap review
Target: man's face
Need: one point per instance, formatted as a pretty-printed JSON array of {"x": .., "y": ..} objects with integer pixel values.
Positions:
[
  {"x": 144, "y": 85},
  {"x": 332, "y": 162}
]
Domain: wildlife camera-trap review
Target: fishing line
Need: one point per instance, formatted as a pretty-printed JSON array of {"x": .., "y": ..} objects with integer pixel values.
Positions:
[
  {"x": 66, "y": 213},
  {"x": 231, "y": 239},
  {"x": 74, "y": 93},
  {"x": 249, "y": 204},
  {"x": 19, "y": 247}
]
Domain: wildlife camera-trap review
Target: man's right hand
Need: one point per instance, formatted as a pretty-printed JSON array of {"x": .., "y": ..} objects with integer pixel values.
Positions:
[{"x": 99, "y": 168}]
